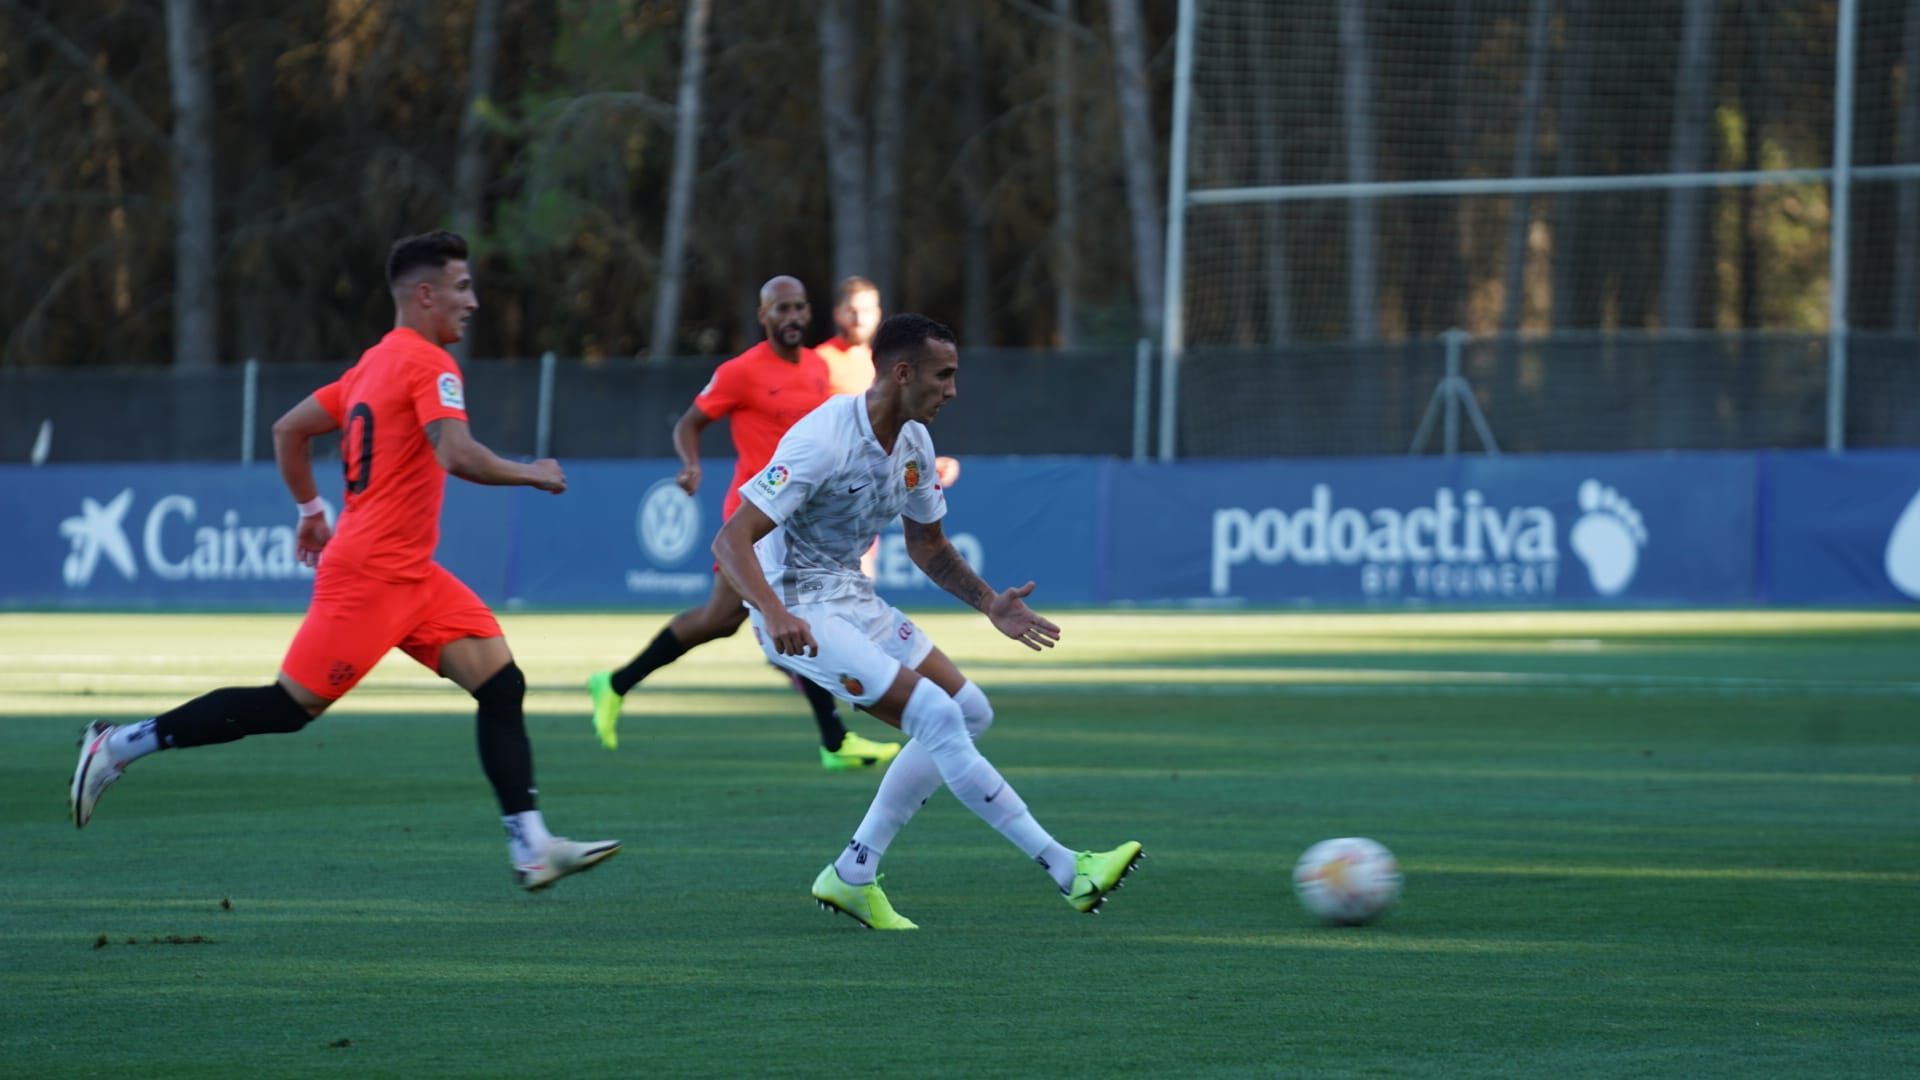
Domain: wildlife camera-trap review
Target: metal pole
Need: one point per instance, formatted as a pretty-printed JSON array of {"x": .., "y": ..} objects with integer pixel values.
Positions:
[
  {"x": 249, "y": 407},
  {"x": 1839, "y": 238},
  {"x": 1450, "y": 438},
  {"x": 543, "y": 424},
  {"x": 1172, "y": 341},
  {"x": 1142, "y": 396}
]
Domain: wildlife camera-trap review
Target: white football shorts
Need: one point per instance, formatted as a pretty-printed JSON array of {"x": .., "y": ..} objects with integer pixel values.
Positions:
[{"x": 864, "y": 642}]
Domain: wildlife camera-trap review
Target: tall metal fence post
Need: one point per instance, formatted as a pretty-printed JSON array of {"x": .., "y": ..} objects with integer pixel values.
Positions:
[
  {"x": 1450, "y": 421},
  {"x": 1142, "y": 396},
  {"x": 543, "y": 424},
  {"x": 1839, "y": 237},
  {"x": 249, "y": 408}
]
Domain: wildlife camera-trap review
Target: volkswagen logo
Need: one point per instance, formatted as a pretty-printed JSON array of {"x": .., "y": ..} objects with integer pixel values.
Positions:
[{"x": 668, "y": 523}]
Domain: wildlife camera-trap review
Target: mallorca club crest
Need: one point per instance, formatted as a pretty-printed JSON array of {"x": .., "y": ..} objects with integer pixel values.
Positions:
[
  {"x": 852, "y": 686},
  {"x": 913, "y": 474}
]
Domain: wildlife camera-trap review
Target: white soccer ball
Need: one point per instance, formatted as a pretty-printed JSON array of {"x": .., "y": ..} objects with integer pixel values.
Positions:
[{"x": 1347, "y": 881}]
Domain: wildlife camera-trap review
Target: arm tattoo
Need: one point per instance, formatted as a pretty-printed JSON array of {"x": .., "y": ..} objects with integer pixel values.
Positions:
[
  {"x": 433, "y": 434},
  {"x": 949, "y": 571}
]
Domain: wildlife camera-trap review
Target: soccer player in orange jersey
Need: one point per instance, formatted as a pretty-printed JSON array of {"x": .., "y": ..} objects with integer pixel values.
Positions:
[
  {"x": 763, "y": 391},
  {"x": 403, "y": 418}
]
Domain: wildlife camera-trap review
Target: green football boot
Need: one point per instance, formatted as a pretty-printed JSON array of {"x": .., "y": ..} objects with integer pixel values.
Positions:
[
  {"x": 857, "y": 753},
  {"x": 606, "y": 708},
  {"x": 866, "y": 904},
  {"x": 1098, "y": 873}
]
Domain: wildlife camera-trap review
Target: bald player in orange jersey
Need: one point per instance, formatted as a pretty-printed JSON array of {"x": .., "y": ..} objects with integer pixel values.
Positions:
[
  {"x": 762, "y": 392},
  {"x": 403, "y": 417}
]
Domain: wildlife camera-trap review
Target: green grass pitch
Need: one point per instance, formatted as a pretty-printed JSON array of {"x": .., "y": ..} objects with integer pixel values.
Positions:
[{"x": 1635, "y": 844}]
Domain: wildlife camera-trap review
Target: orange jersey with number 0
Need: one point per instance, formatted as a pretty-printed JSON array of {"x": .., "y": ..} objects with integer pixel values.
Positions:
[{"x": 391, "y": 522}]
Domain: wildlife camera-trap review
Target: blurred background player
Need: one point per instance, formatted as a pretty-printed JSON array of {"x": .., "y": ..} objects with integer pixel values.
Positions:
[
  {"x": 849, "y": 356},
  {"x": 764, "y": 390},
  {"x": 402, "y": 410},
  {"x": 850, "y": 468}
]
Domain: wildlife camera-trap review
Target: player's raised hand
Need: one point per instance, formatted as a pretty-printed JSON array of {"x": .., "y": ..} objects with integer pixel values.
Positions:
[
  {"x": 548, "y": 476},
  {"x": 1009, "y": 613},
  {"x": 310, "y": 538},
  {"x": 791, "y": 635},
  {"x": 689, "y": 479}
]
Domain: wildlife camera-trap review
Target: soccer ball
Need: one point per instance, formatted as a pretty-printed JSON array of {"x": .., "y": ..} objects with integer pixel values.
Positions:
[{"x": 1348, "y": 881}]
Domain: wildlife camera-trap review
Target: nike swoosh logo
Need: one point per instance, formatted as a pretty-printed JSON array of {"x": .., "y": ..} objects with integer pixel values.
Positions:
[
  {"x": 996, "y": 792},
  {"x": 856, "y": 490}
]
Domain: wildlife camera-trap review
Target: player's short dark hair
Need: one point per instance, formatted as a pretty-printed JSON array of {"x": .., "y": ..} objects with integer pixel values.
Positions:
[
  {"x": 435, "y": 249},
  {"x": 902, "y": 336},
  {"x": 855, "y": 285}
]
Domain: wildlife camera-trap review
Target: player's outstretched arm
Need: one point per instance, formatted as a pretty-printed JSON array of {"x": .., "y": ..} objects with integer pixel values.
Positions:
[
  {"x": 686, "y": 443},
  {"x": 935, "y": 555},
  {"x": 733, "y": 550},
  {"x": 463, "y": 456},
  {"x": 293, "y": 437}
]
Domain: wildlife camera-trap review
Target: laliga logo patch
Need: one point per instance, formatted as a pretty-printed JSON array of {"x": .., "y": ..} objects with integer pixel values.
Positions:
[
  {"x": 775, "y": 477},
  {"x": 913, "y": 474},
  {"x": 450, "y": 393}
]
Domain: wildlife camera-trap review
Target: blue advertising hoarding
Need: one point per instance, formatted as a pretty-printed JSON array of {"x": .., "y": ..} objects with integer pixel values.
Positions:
[
  {"x": 1484, "y": 531},
  {"x": 1547, "y": 531},
  {"x": 1842, "y": 529}
]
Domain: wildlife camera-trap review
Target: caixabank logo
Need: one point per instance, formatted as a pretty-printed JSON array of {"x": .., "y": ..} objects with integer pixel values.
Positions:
[
  {"x": 1460, "y": 546},
  {"x": 176, "y": 543}
]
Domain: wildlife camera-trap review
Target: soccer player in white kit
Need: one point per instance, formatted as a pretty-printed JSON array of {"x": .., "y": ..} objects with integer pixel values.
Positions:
[{"x": 793, "y": 549}]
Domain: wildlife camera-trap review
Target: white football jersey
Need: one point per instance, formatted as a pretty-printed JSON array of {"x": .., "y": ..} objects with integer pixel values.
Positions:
[{"x": 831, "y": 489}]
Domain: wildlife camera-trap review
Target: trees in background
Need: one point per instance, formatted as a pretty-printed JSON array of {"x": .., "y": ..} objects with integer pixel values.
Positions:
[{"x": 200, "y": 181}]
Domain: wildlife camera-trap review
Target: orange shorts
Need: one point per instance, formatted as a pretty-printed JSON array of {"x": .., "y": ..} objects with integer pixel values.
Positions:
[{"x": 354, "y": 619}]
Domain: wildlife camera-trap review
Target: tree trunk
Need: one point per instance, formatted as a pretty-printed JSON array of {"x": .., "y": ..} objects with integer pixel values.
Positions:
[
  {"x": 686, "y": 153},
  {"x": 1906, "y": 250},
  {"x": 1275, "y": 271},
  {"x": 470, "y": 159},
  {"x": 1513, "y": 298},
  {"x": 1142, "y": 165},
  {"x": 976, "y": 327},
  {"x": 196, "y": 255},
  {"x": 1692, "y": 146},
  {"x": 889, "y": 150},
  {"x": 846, "y": 141},
  {"x": 1572, "y": 273},
  {"x": 470, "y": 162},
  {"x": 1362, "y": 214},
  {"x": 1066, "y": 194}
]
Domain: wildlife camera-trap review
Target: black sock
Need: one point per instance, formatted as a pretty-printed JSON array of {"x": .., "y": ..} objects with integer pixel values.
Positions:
[
  {"x": 664, "y": 649},
  {"x": 825, "y": 713},
  {"x": 229, "y": 714},
  {"x": 505, "y": 754}
]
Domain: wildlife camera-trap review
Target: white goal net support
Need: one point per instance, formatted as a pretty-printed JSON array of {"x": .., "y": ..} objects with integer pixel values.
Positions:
[{"x": 1630, "y": 224}]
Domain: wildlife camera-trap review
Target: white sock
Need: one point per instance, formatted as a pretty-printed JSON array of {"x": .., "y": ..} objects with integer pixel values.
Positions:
[
  {"x": 131, "y": 742},
  {"x": 527, "y": 835},
  {"x": 910, "y": 781},
  {"x": 934, "y": 719}
]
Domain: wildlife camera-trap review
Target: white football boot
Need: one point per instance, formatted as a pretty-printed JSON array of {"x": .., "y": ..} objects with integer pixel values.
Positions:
[
  {"x": 561, "y": 857},
  {"x": 95, "y": 772}
]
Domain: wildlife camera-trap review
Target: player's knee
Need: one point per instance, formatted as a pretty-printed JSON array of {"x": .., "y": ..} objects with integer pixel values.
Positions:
[
  {"x": 975, "y": 707},
  {"x": 934, "y": 718},
  {"x": 505, "y": 690},
  {"x": 279, "y": 713}
]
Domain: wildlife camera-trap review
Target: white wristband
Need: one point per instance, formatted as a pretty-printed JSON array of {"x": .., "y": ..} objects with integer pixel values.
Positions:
[{"x": 315, "y": 505}]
